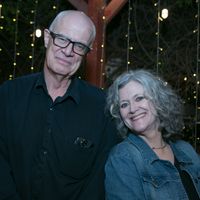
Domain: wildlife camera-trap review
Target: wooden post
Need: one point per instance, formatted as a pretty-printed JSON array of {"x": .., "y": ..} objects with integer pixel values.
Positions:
[{"x": 101, "y": 14}]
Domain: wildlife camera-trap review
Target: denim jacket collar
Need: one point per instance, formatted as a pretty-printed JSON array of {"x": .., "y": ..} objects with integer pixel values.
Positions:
[
  {"x": 149, "y": 155},
  {"x": 181, "y": 156}
]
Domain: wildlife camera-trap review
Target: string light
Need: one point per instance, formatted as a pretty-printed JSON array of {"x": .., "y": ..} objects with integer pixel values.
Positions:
[
  {"x": 15, "y": 20},
  {"x": 158, "y": 35},
  {"x": 197, "y": 77},
  {"x": 102, "y": 49},
  {"x": 34, "y": 12},
  {"x": 128, "y": 35},
  {"x": 0, "y": 9},
  {"x": 161, "y": 15}
]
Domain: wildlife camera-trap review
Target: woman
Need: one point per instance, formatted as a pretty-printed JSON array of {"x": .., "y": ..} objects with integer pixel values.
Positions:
[{"x": 151, "y": 162}]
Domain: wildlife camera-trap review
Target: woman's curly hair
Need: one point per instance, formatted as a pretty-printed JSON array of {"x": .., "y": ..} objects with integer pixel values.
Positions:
[{"x": 167, "y": 103}]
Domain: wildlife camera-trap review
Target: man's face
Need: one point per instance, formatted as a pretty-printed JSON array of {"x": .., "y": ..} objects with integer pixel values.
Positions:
[{"x": 64, "y": 61}]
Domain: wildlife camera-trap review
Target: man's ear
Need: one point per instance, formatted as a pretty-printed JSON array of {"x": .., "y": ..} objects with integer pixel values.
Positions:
[{"x": 46, "y": 37}]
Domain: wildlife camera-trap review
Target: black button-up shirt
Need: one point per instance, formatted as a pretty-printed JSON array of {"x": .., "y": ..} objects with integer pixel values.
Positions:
[{"x": 53, "y": 150}]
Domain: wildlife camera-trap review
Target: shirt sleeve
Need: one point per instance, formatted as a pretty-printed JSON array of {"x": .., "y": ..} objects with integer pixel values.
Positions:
[
  {"x": 7, "y": 185},
  {"x": 122, "y": 180}
]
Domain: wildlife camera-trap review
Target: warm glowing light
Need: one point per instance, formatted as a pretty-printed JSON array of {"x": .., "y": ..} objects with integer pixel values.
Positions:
[
  {"x": 194, "y": 31},
  {"x": 185, "y": 79},
  {"x": 38, "y": 33},
  {"x": 164, "y": 13}
]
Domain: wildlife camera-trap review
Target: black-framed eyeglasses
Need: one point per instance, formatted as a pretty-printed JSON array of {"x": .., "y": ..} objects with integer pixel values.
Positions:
[{"x": 63, "y": 42}]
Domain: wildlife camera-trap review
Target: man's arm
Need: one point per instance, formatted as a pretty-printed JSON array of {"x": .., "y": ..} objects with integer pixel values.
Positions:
[
  {"x": 94, "y": 189},
  {"x": 7, "y": 185}
]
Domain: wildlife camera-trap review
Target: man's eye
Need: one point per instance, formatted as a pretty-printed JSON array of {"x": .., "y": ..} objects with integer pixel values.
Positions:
[
  {"x": 79, "y": 46},
  {"x": 62, "y": 40}
]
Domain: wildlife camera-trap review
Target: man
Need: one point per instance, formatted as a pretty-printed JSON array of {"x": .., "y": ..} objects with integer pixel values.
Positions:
[{"x": 54, "y": 133}]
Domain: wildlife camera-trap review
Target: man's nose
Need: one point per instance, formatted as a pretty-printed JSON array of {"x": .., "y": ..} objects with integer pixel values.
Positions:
[{"x": 68, "y": 50}]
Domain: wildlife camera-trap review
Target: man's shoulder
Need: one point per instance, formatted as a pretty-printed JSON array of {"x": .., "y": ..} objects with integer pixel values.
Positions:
[
  {"x": 88, "y": 89},
  {"x": 19, "y": 86},
  {"x": 26, "y": 79},
  {"x": 89, "y": 85}
]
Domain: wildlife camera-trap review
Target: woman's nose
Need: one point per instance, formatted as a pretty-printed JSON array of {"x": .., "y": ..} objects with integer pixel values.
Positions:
[{"x": 133, "y": 107}]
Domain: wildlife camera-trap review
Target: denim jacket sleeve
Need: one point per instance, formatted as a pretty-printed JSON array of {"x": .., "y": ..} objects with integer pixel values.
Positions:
[{"x": 122, "y": 180}]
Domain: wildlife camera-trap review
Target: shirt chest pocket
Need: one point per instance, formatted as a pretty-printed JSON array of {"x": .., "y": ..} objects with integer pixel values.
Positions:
[
  {"x": 161, "y": 187},
  {"x": 157, "y": 181},
  {"x": 75, "y": 157}
]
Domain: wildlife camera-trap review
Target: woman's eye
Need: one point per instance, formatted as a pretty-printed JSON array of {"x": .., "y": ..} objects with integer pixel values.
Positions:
[
  {"x": 123, "y": 105},
  {"x": 139, "y": 98}
]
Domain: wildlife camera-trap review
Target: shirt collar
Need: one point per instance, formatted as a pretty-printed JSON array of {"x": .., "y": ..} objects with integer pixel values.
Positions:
[{"x": 72, "y": 92}]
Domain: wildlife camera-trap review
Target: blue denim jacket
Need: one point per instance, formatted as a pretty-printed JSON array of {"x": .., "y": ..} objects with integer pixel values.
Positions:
[{"x": 134, "y": 172}]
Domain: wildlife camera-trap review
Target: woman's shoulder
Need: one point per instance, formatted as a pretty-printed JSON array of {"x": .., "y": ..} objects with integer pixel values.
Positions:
[
  {"x": 187, "y": 148},
  {"x": 183, "y": 145},
  {"x": 124, "y": 149}
]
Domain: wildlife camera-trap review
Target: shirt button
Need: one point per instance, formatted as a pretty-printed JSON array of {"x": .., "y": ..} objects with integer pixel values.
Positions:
[{"x": 51, "y": 109}]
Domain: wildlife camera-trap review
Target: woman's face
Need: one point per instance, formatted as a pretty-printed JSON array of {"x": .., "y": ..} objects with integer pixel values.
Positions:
[{"x": 137, "y": 112}]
